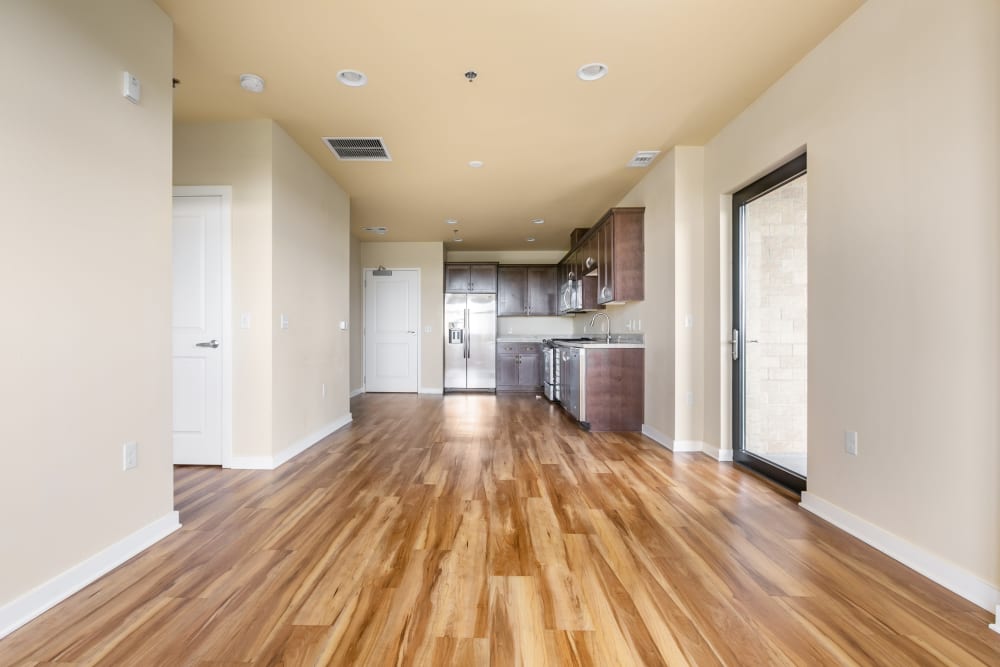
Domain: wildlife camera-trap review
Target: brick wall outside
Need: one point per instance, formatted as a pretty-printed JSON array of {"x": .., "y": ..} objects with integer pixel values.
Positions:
[{"x": 776, "y": 317}]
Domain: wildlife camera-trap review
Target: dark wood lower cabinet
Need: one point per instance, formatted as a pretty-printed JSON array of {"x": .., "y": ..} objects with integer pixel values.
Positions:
[
  {"x": 519, "y": 367},
  {"x": 603, "y": 387},
  {"x": 614, "y": 389}
]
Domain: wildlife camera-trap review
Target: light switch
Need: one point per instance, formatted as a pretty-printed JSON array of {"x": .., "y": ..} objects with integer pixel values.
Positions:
[
  {"x": 131, "y": 88},
  {"x": 343, "y": 325},
  {"x": 283, "y": 321},
  {"x": 428, "y": 329},
  {"x": 244, "y": 320}
]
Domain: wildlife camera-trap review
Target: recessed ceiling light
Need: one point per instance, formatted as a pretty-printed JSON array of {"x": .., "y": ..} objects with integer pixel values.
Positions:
[
  {"x": 251, "y": 83},
  {"x": 456, "y": 238},
  {"x": 592, "y": 71},
  {"x": 537, "y": 221},
  {"x": 476, "y": 164},
  {"x": 530, "y": 239},
  {"x": 352, "y": 77},
  {"x": 451, "y": 222}
]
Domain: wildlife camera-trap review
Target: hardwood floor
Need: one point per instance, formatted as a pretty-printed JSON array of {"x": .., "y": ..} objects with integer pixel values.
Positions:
[{"x": 474, "y": 530}]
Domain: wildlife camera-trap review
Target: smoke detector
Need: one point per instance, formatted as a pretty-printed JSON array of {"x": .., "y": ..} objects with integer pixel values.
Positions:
[{"x": 251, "y": 83}]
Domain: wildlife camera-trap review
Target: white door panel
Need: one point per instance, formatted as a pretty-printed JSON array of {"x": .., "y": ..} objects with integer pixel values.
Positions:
[
  {"x": 197, "y": 319},
  {"x": 392, "y": 319}
]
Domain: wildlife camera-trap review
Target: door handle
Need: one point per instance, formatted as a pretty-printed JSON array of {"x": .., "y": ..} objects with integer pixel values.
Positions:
[
  {"x": 735, "y": 342},
  {"x": 212, "y": 344},
  {"x": 411, "y": 332}
]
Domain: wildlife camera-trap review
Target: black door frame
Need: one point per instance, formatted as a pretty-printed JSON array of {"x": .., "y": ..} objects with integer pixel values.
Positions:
[{"x": 775, "y": 179}]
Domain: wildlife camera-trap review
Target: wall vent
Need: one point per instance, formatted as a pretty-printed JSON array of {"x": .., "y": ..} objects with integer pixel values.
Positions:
[
  {"x": 376, "y": 230},
  {"x": 358, "y": 149},
  {"x": 642, "y": 158}
]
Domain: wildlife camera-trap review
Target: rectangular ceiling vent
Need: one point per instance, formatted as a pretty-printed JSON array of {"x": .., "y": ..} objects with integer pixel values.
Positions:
[
  {"x": 642, "y": 158},
  {"x": 375, "y": 230},
  {"x": 358, "y": 149}
]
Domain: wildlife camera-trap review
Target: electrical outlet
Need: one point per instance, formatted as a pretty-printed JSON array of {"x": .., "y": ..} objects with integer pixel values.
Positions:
[
  {"x": 851, "y": 442},
  {"x": 130, "y": 455},
  {"x": 690, "y": 399},
  {"x": 637, "y": 325},
  {"x": 688, "y": 321},
  {"x": 244, "y": 320},
  {"x": 283, "y": 321}
]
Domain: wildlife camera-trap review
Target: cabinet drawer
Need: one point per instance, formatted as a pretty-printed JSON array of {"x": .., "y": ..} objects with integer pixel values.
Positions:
[{"x": 528, "y": 348}]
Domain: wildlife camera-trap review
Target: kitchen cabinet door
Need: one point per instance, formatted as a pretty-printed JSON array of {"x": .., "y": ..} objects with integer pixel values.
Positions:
[
  {"x": 456, "y": 278},
  {"x": 506, "y": 371},
  {"x": 605, "y": 262},
  {"x": 483, "y": 278},
  {"x": 529, "y": 372},
  {"x": 541, "y": 290},
  {"x": 511, "y": 285}
]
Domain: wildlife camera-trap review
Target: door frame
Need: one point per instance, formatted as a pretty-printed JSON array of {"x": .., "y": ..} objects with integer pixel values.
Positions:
[
  {"x": 788, "y": 171},
  {"x": 364, "y": 324},
  {"x": 225, "y": 193}
]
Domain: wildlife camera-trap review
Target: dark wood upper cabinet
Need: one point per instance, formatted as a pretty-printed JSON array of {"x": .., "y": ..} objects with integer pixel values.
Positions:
[
  {"x": 541, "y": 290},
  {"x": 619, "y": 242},
  {"x": 511, "y": 286},
  {"x": 470, "y": 278},
  {"x": 526, "y": 290}
]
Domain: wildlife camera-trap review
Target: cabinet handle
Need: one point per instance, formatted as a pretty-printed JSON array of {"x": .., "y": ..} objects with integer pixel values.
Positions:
[{"x": 590, "y": 263}]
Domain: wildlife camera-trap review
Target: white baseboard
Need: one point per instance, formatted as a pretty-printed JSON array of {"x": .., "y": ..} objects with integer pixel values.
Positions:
[
  {"x": 357, "y": 392},
  {"x": 290, "y": 452},
  {"x": 430, "y": 390},
  {"x": 932, "y": 566},
  {"x": 35, "y": 602},
  {"x": 995, "y": 627},
  {"x": 717, "y": 453},
  {"x": 657, "y": 436},
  {"x": 689, "y": 446}
]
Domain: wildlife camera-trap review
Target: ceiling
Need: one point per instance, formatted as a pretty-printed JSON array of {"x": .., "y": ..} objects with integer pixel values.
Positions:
[{"x": 553, "y": 146}]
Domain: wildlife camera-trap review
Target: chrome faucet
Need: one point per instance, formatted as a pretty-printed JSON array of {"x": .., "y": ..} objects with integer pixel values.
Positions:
[{"x": 607, "y": 319}]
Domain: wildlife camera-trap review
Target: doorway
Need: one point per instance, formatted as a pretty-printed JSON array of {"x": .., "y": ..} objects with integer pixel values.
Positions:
[
  {"x": 201, "y": 334},
  {"x": 392, "y": 324},
  {"x": 770, "y": 332}
]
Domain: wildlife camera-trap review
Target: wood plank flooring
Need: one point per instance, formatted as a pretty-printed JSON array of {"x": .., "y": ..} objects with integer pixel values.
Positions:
[{"x": 481, "y": 530}]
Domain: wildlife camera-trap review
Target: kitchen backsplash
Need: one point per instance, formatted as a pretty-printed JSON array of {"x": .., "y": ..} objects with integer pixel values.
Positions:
[{"x": 534, "y": 326}]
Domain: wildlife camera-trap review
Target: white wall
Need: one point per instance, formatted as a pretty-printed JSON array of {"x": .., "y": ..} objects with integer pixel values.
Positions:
[
  {"x": 311, "y": 266},
  {"x": 429, "y": 258},
  {"x": 899, "y": 109},
  {"x": 85, "y": 281}
]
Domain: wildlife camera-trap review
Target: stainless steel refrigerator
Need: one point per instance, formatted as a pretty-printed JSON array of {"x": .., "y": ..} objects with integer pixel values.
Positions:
[{"x": 470, "y": 337}]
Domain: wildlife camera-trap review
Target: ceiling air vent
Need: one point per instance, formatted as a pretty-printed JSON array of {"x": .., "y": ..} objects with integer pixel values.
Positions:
[
  {"x": 642, "y": 158},
  {"x": 359, "y": 149},
  {"x": 375, "y": 230}
]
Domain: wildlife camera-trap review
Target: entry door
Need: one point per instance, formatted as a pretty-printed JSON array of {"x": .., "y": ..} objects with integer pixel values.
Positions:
[
  {"x": 769, "y": 336},
  {"x": 197, "y": 330},
  {"x": 392, "y": 318}
]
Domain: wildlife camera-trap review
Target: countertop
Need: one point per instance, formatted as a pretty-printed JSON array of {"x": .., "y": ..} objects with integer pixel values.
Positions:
[{"x": 597, "y": 345}]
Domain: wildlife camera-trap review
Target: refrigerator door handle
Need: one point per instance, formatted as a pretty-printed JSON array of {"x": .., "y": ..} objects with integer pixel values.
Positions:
[{"x": 466, "y": 351}]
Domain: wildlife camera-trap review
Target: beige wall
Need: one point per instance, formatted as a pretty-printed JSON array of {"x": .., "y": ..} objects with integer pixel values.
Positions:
[
  {"x": 899, "y": 109},
  {"x": 239, "y": 154},
  {"x": 311, "y": 268},
  {"x": 357, "y": 318},
  {"x": 85, "y": 281},
  {"x": 291, "y": 255},
  {"x": 429, "y": 258},
  {"x": 508, "y": 256}
]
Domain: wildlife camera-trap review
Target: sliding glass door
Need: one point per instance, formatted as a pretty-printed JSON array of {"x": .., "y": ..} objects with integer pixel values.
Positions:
[{"x": 769, "y": 334}]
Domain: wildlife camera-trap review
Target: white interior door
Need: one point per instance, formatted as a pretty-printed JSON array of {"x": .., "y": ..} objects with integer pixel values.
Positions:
[
  {"x": 392, "y": 318},
  {"x": 197, "y": 330}
]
